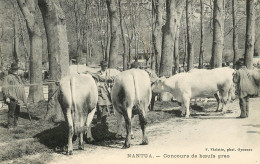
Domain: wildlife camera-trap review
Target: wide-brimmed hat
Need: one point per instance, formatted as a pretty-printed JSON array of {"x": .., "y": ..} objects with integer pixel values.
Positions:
[
  {"x": 135, "y": 64},
  {"x": 103, "y": 63},
  {"x": 240, "y": 62},
  {"x": 14, "y": 67}
]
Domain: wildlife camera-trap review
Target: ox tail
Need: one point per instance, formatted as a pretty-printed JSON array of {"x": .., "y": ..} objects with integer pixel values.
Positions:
[
  {"x": 73, "y": 102},
  {"x": 137, "y": 96}
]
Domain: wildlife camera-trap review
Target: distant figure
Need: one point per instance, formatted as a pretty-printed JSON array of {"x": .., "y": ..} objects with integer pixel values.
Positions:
[
  {"x": 248, "y": 84},
  {"x": 135, "y": 65},
  {"x": 14, "y": 95}
]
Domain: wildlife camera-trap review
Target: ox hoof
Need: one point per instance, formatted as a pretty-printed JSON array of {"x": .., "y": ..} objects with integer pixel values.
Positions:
[
  {"x": 144, "y": 142},
  {"x": 90, "y": 140},
  {"x": 119, "y": 136},
  {"x": 126, "y": 146},
  {"x": 187, "y": 116},
  {"x": 81, "y": 147},
  {"x": 69, "y": 152}
]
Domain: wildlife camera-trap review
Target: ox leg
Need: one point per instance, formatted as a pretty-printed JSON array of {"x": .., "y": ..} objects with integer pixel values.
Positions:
[
  {"x": 224, "y": 99},
  {"x": 81, "y": 143},
  {"x": 186, "y": 105},
  {"x": 143, "y": 123},
  {"x": 89, "y": 120},
  {"x": 128, "y": 125},
  {"x": 218, "y": 103},
  {"x": 119, "y": 118},
  {"x": 70, "y": 126}
]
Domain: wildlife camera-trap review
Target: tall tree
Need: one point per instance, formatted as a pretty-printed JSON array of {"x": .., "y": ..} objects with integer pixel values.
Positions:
[
  {"x": 157, "y": 33},
  {"x": 250, "y": 33},
  {"x": 235, "y": 41},
  {"x": 180, "y": 8},
  {"x": 55, "y": 27},
  {"x": 201, "y": 55},
  {"x": 114, "y": 31},
  {"x": 218, "y": 33},
  {"x": 16, "y": 38},
  {"x": 123, "y": 35},
  {"x": 28, "y": 8},
  {"x": 189, "y": 34},
  {"x": 168, "y": 38}
]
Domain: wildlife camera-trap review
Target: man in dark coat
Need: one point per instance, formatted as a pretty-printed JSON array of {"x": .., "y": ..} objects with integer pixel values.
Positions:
[
  {"x": 104, "y": 99},
  {"x": 14, "y": 95},
  {"x": 248, "y": 84}
]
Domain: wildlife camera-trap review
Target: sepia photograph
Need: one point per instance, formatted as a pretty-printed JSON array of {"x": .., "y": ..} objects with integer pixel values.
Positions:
[{"x": 129, "y": 81}]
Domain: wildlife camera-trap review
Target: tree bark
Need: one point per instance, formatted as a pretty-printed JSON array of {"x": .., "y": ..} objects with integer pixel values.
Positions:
[
  {"x": 16, "y": 39},
  {"x": 157, "y": 34},
  {"x": 176, "y": 56},
  {"x": 201, "y": 56},
  {"x": 235, "y": 41},
  {"x": 28, "y": 9},
  {"x": 218, "y": 33},
  {"x": 114, "y": 29},
  {"x": 189, "y": 35},
  {"x": 168, "y": 38},
  {"x": 250, "y": 33},
  {"x": 123, "y": 37},
  {"x": 58, "y": 53}
]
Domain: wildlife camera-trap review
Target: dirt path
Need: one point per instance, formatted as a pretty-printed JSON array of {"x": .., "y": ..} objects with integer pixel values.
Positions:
[{"x": 196, "y": 140}]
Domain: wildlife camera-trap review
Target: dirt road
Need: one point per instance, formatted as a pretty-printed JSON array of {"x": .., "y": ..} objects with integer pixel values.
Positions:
[{"x": 203, "y": 139}]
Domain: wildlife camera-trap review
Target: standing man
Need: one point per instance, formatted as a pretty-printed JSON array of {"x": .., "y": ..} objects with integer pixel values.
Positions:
[
  {"x": 248, "y": 83},
  {"x": 104, "y": 90},
  {"x": 14, "y": 94}
]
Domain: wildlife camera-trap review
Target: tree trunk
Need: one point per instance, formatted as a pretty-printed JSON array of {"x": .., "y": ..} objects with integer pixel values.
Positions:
[
  {"x": 189, "y": 35},
  {"x": 114, "y": 29},
  {"x": 250, "y": 33},
  {"x": 235, "y": 41},
  {"x": 157, "y": 34},
  {"x": 176, "y": 56},
  {"x": 218, "y": 33},
  {"x": 16, "y": 39},
  {"x": 168, "y": 38},
  {"x": 35, "y": 91},
  {"x": 55, "y": 27},
  {"x": 26, "y": 56},
  {"x": 201, "y": 56},
  {"x": 123, "y": 37}
]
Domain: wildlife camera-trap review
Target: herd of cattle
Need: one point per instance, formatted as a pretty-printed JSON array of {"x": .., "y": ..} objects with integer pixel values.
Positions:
[{"x": 132, "y": 93}]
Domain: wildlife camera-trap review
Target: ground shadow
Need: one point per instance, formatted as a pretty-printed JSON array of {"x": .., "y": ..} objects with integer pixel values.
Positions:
[
  {"x": 57, "y": 138},
  {"x": 177, "y": 113},
  {"x": 4, "y": 125},
  {"x": 197, "y": 108},
  {"x": 54, "y": 137},
  {"x": 254, "y": 132},
  {"x": 25, "y": 115},
  {"x": 255, "y": 126}
]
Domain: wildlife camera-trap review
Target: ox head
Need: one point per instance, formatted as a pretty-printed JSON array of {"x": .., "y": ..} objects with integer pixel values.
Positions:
[
  {"x": 236, "y": 77},
  {"x": 158, "y": 85}
]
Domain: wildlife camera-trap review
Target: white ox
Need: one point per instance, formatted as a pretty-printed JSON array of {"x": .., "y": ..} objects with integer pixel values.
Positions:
[
  {"x": 131, "y": 93},
  {"x": 199, "y": 83},
  {"x": 78, "y": 98}
]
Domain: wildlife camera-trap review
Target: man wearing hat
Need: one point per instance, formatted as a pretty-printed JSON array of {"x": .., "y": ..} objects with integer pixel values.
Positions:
[
  {"x": 104, "y": 99},
  {"x": 247, "y": 85},
  {"x": 14, "y": 94}
]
